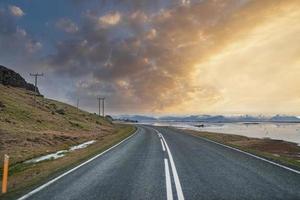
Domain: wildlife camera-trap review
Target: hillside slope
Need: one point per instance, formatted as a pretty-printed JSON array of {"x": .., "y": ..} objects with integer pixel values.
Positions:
[
  {"x": 26, "y": 130},
  {"x": 29, "y": 130}
]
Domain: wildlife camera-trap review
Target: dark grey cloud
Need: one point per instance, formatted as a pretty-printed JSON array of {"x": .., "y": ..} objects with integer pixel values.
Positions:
[
  {"x": 67, "y": 25},
  {"x": 14, "y": 40},
  {"x": 145, "y": 61},
  {"x": 146, "y": 70},
  {"x": 142, "y": 55}
]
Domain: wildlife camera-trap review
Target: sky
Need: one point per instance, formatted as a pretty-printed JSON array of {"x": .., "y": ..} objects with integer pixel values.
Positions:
[{"x": 159, "y": 57}]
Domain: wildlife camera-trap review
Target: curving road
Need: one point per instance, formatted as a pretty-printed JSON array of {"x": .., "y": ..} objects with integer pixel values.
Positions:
[{"x": 162, "y": 163}]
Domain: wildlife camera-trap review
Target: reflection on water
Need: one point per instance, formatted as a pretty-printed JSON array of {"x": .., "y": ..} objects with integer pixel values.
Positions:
[{"x": 280, "y": 131}]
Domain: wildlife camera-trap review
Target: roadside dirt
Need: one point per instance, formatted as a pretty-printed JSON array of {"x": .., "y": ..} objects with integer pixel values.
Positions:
[{"x": 282, "y": 151}]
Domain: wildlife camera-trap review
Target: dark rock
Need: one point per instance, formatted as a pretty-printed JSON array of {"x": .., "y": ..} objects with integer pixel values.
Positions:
[
  {"x": 60, "y": 111},
  {"x": 2, "y": 104},
  {"x": 200, "y": 125},
  {"x": 53, "y": 106},
  {"x": 109, "y": 118},
  {"x": 11, "y": 78}
]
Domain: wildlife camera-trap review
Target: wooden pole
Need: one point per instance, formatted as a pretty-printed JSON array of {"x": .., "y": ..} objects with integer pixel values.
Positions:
[
  {"x": 99, "y": 104},
  {"x": 77, "y": 103},
  {"x": 103, "y": 107},
  {"x": 5, "y": 174},
  {"x": 35, "y": 85}
]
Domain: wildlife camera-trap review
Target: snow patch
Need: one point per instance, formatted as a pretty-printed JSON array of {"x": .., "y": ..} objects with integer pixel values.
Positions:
[{"x": 59, "y": 154}]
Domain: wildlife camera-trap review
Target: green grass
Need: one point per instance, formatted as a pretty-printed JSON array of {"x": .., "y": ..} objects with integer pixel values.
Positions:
[
  {"x": 22, "y": 124},
  {"x": 28, "y": 131},
  {"x": 42, "y": 172},
  {"x": 20, "y": 111}
]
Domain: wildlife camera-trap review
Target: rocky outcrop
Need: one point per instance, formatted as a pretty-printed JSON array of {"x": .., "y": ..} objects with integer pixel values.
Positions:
[{"x": 11, "y": 78}]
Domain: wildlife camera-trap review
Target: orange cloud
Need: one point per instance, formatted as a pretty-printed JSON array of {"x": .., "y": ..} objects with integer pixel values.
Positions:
[{"x": 221, "y": 56}]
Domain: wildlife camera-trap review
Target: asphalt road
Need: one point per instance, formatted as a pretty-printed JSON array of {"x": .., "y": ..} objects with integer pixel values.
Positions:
[{"x": 161, "y": 163}]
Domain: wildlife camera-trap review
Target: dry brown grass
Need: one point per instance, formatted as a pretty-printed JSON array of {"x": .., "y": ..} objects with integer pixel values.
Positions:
[
  {"x": 24, "y": 177},
  {"x": 277, "y": 150},
  {"x": 27, "y": 132}
]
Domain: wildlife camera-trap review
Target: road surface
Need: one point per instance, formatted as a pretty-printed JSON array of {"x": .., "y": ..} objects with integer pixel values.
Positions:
[{"x": 161, "y": 163}]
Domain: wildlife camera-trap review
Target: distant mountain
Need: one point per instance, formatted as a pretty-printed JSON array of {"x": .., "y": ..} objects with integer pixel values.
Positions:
[
  {"x": 184, "y": 118},
  {"x": 169, "y": 118},
  {"x": 249, "y": 118},
  {"x": 211, "y": 118},
  {"x": 172, "y": 118},
  {"x": 282, "y": 118},
  {"x": 135, "y": 118},
  {"x": 216, "y": 119}
]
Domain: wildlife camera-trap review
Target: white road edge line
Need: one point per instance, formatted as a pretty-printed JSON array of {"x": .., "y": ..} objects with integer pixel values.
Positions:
[
  {"x": 162, "y": 144},
  {"x": 70, "y": 171},
  {"x": 254, "y": 156},
  {"x": 175, "y": 174},
  {"x": 168, "y": 181}
]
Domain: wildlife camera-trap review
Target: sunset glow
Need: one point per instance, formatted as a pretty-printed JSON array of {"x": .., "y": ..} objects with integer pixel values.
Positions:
[{"x": 167, "y": 57}]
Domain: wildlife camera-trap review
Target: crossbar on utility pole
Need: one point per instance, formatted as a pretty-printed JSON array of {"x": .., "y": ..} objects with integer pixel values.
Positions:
[{"x": 36, "y": 75}]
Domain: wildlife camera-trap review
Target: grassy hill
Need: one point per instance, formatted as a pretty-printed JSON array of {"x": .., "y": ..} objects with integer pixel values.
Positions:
[{"x": 28, "y": 130}]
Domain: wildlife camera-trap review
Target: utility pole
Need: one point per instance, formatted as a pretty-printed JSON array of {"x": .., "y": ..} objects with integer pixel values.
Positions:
[
  {"x": 103, "y": 99},
  {"x": 36, "y": 75},
  {"x": 101, "y": 102},
  {"x": 77, "y": 103}
]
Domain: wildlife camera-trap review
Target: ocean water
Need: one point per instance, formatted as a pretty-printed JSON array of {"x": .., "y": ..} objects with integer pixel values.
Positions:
[{"x": 280, "y": 131}]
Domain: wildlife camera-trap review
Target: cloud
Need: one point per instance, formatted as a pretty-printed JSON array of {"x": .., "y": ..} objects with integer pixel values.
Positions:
[
  {"x": 110, "y": 19},
  {"x": 17, "y": 46},
  {"x": 258, "y": 72},
  {"x": 151, "y": 34},
  {"x": 33, "y": 46},
  {"x": 16, "y": 11},
  {"x": 161, "y": 62},
  {"x": 67, "y": 25},
  {"x": 185, "y": 2}
]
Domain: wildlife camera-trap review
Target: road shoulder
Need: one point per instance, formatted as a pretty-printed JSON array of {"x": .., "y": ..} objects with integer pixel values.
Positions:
[
  {"x": 278, "y": 151},
  {"x": 34, "y": 175}
]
